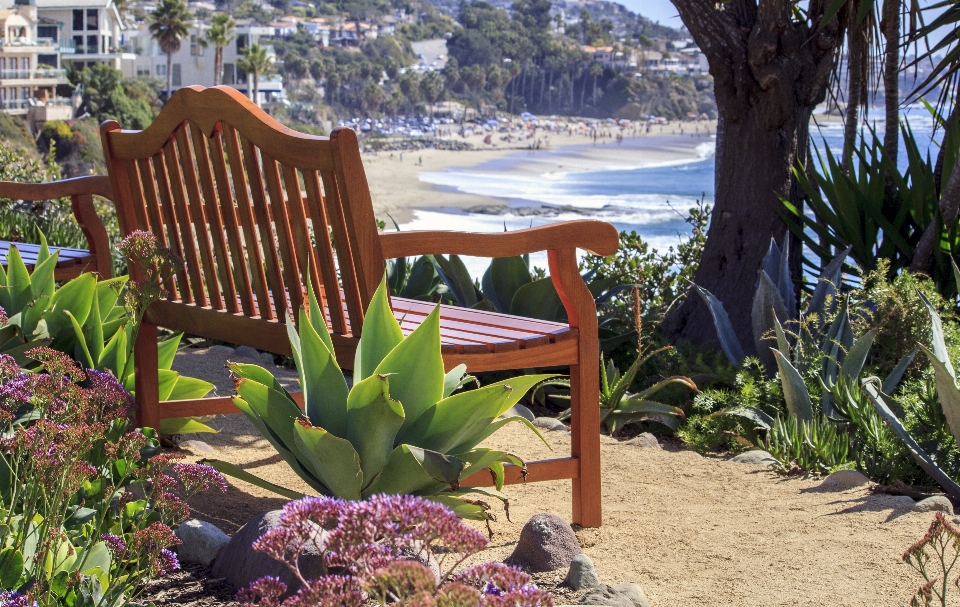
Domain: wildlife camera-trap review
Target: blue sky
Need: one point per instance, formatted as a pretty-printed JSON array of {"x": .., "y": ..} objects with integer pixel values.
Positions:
[{"x": 657, "y": 10}]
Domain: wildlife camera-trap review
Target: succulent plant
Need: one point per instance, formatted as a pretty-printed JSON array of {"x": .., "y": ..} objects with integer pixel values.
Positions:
[{"x": 398, "y": 430}]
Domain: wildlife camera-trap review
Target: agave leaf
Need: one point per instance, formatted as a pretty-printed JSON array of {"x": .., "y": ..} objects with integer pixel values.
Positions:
[
  {"x": 183, "y": 425},
  {"x": 502, "y": 279},
  {"x": 381, "y": 334},
  {"x": 454, "y": 379},
  {"x": 833, "y": 344},
  {"x": 771, "y": 261},
  {"x": 114, "y": 355},
  {"x": 257, "y": 374},
  {"x": 324, "y": 387},
  {"x": 619, "y": 419},
  {"x": 82, "y": 352},
  {"x": 317, "y": 319},
  {"x": 768, "y": 307},
  {"x": 663, "y": 383},
  {"x": 420, "y": 282},
  {"x": 537, "y": 299},
  {"x": 76, "y": 296},
  {"x": 108, "y": 292},
  {"x": 454, "y": 274},
  {"x": 755, "y": 415},
  {"x": 373, "y": 420},
  {"x": 187, "y": 388},
  {"x": 93, "y": 336},
  {"x": 785, "y": 280},
  {"x": 18, "y": 281},
  {"x": 521, "y": 385},
  {"x": 492, "y": 428},
  {"x": 330, "y": 458},
  {"x": 478, "y": 459},
  {"x": 893, "y": 380},
  {"x": 456, "y": 419},
  {"x": 919, "y": 455},
  {"x": 275, "y": 408},
  {"x": 783, "y": 344},
  {"x": 827, "y": 284},
  {"x": 936, "y": 327},
  {"x": 728, "y": 338},
  {"x": 853, "y": 362},
  {"x": 41, "y": 279},
  {"x": 239, "y": 473},
  {"x": 794, "y": 390},
  {"x": 956, "y": 273},
  {"x": 418, "y": 366},
  {"x": 947, "y": 392},
  {"x": 166, "y": 349},
  {"x": 414, "y": 470},
  {"x": 463, "y": 509}
]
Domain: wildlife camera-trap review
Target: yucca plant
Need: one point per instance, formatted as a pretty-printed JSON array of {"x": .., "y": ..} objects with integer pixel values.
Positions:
[{"x": 398, "y": 430}]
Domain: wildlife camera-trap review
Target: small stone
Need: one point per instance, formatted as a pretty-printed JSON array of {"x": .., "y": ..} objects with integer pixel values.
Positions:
[
  {"x": 645, "y": 440},
  {"x": 221, "y": 350},
  {"x": 902, "y": 502},
  {"x": 757, "y": 457},
  {"x": 937, "y": 503},
  {"x": 547, "y": 543},
  {"x": 582, "y": 575},
  {"x": 550, "y": 424},
  {"x": 196, "y": 447},
  {"x": 605, "y": 595},
  {"x": 201, "y": 542},
  {"x": 633, "y": 592},
  {"x": 520, "y": 410},
  {"x": 247, "y": 352},
  {"x": 266, "y": 360},
  {"x": 841, "y": 480}
]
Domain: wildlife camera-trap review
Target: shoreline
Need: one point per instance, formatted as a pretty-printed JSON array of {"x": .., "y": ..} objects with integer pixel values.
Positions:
[{"x": 398, "y": 190}]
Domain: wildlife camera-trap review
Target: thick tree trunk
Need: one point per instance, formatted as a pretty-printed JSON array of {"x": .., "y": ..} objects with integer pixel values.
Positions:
[
  {"x": 169, "y": 75},
  {"x": 891, "y": 78},
  {"x": 218, "y": 66},
  {"x": 856, "y": 81},
  {"x": 770, "y": 72}
]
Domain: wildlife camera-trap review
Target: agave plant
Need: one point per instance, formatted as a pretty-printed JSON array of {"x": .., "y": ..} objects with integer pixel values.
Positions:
[{"x": 400, "y": 429}]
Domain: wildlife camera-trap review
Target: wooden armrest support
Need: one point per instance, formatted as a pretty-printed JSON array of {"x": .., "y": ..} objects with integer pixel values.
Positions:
[
  {"x": 597, "y": 237},
  {"x": 94, "y": 184}
]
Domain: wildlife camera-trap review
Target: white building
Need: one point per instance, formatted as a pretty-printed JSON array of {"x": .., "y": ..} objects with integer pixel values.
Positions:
[
  {"x": 193, "y": 63},
  {"x": 30, "y": 64},
  {"x": 93, "y": 28}
]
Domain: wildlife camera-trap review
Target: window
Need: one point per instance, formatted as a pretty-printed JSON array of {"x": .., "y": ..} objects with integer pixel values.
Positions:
[
  {"x": 229, "y": 74},
  {"x": 92, "y": 21},
  {"x": 176, "y": 74},
  {"x": 196, "y": 46},
  {"x": 143, "y": 70},
  {"x": 92, "y": 45},
  {"x": 241, "y": 76},
  {"x": 78, "y": 43},
  {"x": 50, "y": 60},
  {"x": 77, "y": 19},
  {"x": 48, "y": 31},
  {"x": 161, "y": 71},
  {"x": 241, "y": 43}
]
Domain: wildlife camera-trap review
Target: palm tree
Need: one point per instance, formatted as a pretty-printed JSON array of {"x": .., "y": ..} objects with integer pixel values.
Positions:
[
  {"x": 221, "y": 33},
  {"x": 256, "y": 61},
  {"x": 168, "y": 25}
]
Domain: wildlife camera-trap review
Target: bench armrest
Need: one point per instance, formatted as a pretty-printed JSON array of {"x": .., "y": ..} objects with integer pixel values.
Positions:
[
  {"x": 597, "y": 237},
  {"x": 80, "y": 190}
]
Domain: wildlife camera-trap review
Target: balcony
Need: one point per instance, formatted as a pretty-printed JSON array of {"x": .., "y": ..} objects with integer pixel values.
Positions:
[
  {"x": 35, "y": 77},
  {"x": 41, "y": 45}
]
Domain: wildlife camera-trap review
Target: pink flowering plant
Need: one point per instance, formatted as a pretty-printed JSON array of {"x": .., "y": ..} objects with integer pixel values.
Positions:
[
  {"x": 934, "y": 557},
  {"x": 376, "y": 550},
  {"x": 87, "y": 502}
]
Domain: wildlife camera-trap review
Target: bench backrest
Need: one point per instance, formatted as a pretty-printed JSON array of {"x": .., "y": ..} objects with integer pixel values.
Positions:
[{"x": 254, "y": 208}]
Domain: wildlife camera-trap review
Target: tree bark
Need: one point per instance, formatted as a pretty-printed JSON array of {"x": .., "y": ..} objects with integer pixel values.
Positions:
[
  {"x": 891, "y": 81},
  {"x": 856, "y": 81},
  {"x": 169, "y": 75},
  {"x": 218, "y": 66},
  {"x": 769, "y": 72}
]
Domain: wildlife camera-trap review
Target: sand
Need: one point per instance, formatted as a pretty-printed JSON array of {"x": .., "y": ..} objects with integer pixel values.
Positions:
[
  {"x": 691, "y": 530},
  {"x": 397, "y": 191}
]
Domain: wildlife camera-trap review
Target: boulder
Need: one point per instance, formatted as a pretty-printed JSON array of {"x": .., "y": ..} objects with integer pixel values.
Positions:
[
  {"x": 633, "y": 592},
  {"x": 266, "y": 360},
  {"x": 201, "y": 542},
  {"x": 547, "y": 543},
  {"x": 841, "y": 480},
  {"x": 582, "y": 574},
  {"x": 196, "y": 447},
  {"x": 247, "y": 352},
  {"x": 756, "y": 457},
  {"x": 936, "y": 503},
  {"x": 241, "y": 565},
  {"x": 605, "y": 595},
  {"x": 221, "y": 350},
  {"x": 520, "y": 410},
  {"x": 550, "y": 424},
  {"x": 902, "y": 502},
  {"x": 645, "y": 440}
]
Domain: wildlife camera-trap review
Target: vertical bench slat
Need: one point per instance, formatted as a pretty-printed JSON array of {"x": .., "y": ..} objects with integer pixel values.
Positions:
[
  {"x": 222, "y": 266},
  {"x": 228, "y": 211},
  {"x": 136, "y": 190},
  {"x": 341, "y": 239},
  {"x": 281, "y": 222},
  {"x": 170, "y": 223},
  {"x": 151, "y": 201},
  {"x": 198, "y": 214},
  {"x": 307, "y": 261},
  {"x": 182, "y": 214},
  {"x": 324, "y": 248},
  {"x": 244, "y": 208},
  {"x": 264, "y": 223}
]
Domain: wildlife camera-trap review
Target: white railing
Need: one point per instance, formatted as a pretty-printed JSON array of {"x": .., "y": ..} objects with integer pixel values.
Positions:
[
  {"x": 14, "y": 104},
  {"x": 32, "y": 74}
]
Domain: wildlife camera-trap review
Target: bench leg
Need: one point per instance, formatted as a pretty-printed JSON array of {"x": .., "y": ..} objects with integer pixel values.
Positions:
[
  {"x": 146, "y": 381},
  {"x": 585, "y": 436}
]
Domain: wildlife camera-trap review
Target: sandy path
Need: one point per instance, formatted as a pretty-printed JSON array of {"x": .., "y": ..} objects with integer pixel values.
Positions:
[{"x": 691, "y": 530}]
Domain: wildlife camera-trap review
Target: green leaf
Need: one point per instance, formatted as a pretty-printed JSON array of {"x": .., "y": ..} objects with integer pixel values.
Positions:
[
  {"x": 492, "y": 428},
  {"x": 11, "y": 567},
  {"x": 857, "y": 356},
  {"x": 663, "y": 383},
  {"x": 411, "y": 470},
  {"x": 893, "y": 380},
  {"x": 537, "y": 299},
  {"x": 331, "y": 459},
  {"x": 456, "y": 419},
  {"x": 418, "y": 368},
  {"x": 381, "y": 334},
  {"x": 258, "y": 374},
  {"x": 768, "y": 308},
  {"x": 82, "y": 353},
  {"x": 240, "y": 473},
  {"x": 420, "y": 283},
  {"x": 41, "y": 280},
  {"x": 167, "y": 350},
  {"x": 454, "y": 379},
  {"x": 183, "y": 425},
  {"x": 463, "y": 509},
  {"x": 794, "y": 390},
  {"x": 728, "y": 337},
  {"x": 18, "y": 281},
  {"x": 937, "y": 341},
  {"x": 114, "y": 355},
  {"x": 478, "y": 459},
  {"x": 373, "y": 420},
  {"x": 947, "y": 392},
  {"x": 324, "y": 387},
  {"x": 455, "y": 276},
  {"x": 317, "y": 319},
  {"x": 276, "y": 409},
  {"x": 757, "y": 416},
  {"x": 502, "y": 279},
  {"x": 108, "y": 292},
  {"x": 97, "y": 556},
  {"x": 77, "y": 297}
]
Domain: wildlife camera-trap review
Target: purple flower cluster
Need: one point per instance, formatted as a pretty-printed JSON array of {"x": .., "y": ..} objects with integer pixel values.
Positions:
[
  {"x": 12, "y": 598},
  {"x": 376, "y": 548},
  {"x": 199, "y": 477}
]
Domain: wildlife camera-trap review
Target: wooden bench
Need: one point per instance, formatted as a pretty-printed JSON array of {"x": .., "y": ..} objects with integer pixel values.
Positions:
[
  {"x": 257, "y": 210},
  {"x": 70, "y": 262}
]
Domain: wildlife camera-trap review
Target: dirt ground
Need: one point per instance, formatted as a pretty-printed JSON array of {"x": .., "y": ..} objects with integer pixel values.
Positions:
[{"x": 691, "y": 530}]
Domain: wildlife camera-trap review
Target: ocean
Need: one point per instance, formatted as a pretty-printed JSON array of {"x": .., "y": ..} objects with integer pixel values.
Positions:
[{"x": 651, "y": 199}]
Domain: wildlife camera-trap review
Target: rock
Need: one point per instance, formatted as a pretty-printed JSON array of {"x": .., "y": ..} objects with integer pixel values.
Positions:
[
  {"x": 841, "y": 480},
  {"x": 936, "y": 503},
  {"x": 202, "y": 542},
  {"x": 902, "y": 502},
  {"x": 241, "y": 565},
  {"x": 196, "y": 447},
  {"x": 633, "y": 592},
  {"x": 645, "y": 440},
  {"x": 221, "y": 350},
  {"x": 520, "y": 410},
  {"x": 550, "y": 424},
  {"x": 266, "y": 360},
  {"x": 247, "y": 352},
  {"x": 757, "y": 457},
  {"x": 605, "y": 595},
  {"x": 582, "y": 574},
  {"x": 546, "y": 543}
]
